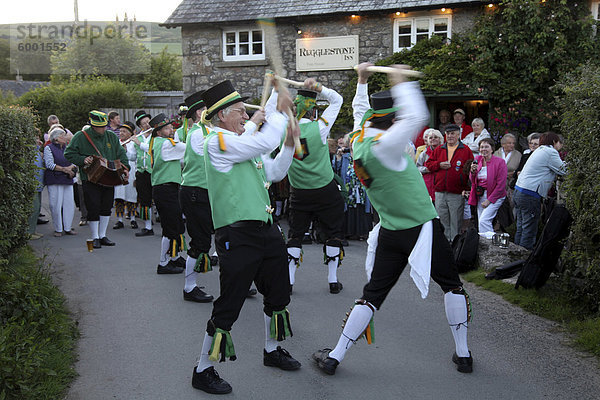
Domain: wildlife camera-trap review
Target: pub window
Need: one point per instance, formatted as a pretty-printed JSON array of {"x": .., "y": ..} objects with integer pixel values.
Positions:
[
  {"x": 409, "y": 31},
  {"x": 243, "y": 44}
]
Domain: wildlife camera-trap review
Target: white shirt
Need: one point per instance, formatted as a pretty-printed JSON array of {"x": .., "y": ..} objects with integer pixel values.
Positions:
[
  {"x": 330, "y": 114},
  {"x": 473, "y": 142},
  {"x": 505, "y": 156},
  {"x": 244, "y": 147},
  {"x": 412, "y": 114}
]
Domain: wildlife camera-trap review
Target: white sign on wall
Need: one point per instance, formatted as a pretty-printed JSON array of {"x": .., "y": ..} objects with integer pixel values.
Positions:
[{"x": 326, "y": 53}]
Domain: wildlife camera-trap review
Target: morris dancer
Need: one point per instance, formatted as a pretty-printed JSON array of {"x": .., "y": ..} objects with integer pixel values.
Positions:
[
  {"x": 98, "y": 199},
  {"x": 165, "y": 158},
  {"x": 143, "y": 175},
  {"x": 250, "y": 246},
  {"x": 193, "y": 198},
  {"x": 314, "y": 192},
  {"x": 410, "y": 231},
  {"x": 126, "y": 195}
]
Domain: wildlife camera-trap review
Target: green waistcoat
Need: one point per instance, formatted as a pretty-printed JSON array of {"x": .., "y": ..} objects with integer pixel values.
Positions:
[
  {"x": 182, "y": 134},
  {"x": 194, "y": 171},
  {"x": 107, "y": 144},
  {"x": 314, "y": 171},
  {"x": 143, "y": 157},
  {"x": 239, "y": 194},
  {"x": 164, "y": 171},
  {"x": 400, "y": 197}
]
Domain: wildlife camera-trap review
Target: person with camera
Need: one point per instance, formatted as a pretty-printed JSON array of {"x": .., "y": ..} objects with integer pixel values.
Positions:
[
  {"x": 488, "y": 184},
  {"x": 89, "y": 142},
  {"x": 58, "y": 176}
]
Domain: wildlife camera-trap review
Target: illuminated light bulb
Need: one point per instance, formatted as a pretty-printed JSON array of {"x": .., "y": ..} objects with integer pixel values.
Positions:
[{"x": 443, "y": 10}]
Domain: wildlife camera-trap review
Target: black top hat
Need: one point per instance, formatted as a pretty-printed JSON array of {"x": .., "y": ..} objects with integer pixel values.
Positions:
[
  {"x": 139, "y": 115},
  {"x": 159, "y": 121},
  {"x": 220, "y": 97},
  {"x": 128, "y": 125},
  {"x": 193, "y": 102},
  {"x": 307, "y": 93},
  {"x": 382, "y": 101}
]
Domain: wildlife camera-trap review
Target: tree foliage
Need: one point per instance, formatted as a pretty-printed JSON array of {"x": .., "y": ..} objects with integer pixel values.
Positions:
[
  {"x": 165, "y": 72},
  {"x": 579, "y": 104},
  {"x": 73, "y": 100}
]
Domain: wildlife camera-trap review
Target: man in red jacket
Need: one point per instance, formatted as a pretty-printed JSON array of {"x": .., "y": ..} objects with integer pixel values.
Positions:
[
  {"x": 447, "y": 164},
  {"x": 459, "y": 119}
]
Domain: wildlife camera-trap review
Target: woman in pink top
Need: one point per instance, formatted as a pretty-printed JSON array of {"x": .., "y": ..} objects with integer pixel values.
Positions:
[{"x": 488, "y": 184}]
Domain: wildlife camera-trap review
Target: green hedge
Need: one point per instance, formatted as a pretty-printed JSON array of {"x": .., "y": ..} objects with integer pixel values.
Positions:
[
  {"x": 17, "y": 180},
  {"x": 580, "y": 124},
  {"x": 72, "y": 101},
  {"x": 37, "y": 337}
]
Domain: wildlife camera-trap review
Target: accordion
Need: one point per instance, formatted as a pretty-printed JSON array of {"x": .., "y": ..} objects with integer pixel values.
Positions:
[{"x": 106, "y": 173}]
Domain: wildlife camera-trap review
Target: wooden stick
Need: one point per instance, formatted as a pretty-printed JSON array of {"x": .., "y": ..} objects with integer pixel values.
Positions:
[
  {"x": 253, "y": 106},
  {"x": 389, "y": 70},
  {"x": 266, "y": 88},
  {"x": 289, "y": 81}
]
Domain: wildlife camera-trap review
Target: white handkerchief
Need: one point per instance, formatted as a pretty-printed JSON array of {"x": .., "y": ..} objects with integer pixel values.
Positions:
[{"x": 420, "y": 259}]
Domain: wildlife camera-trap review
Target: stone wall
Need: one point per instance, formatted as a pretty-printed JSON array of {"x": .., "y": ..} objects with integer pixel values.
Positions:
[{"x": 203, "y": 64}]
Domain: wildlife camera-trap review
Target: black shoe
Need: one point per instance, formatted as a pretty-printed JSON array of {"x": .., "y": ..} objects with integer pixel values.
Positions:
[
  {"x": 335, "y": 287},
  {"x": 306, "y": 240},
  {"x": 197, "y": 295},
  {"x": 324, "y": 362},
  {"x": 251, "y": 292},
  {"x": 106, "y": 242},
  {"x": 41, "y": 221},
  {"x": 97, "y": 244},
  {"x": 157, "y": 218},
  {"x": 180, "y": 262},
  {"x": 214, "y": 260},
  {"x": 119, "y": 225},
  {"x": 210, "y": 381},
  {"x": 145, "y": 232},
  {"x": 463, "y": 364},
  {"x": 134, "y": 224},
  {"x": 170, "y": 268},
  {"x": 345, "y": 243},
  {"x": 281, "y": 359}
]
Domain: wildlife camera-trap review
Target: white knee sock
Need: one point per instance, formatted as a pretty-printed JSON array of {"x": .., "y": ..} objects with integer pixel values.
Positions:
[
  {"x": 204, "y": 362},
  {"x": 294, "y": 252},
  {"x": 148, "y": 224},
  {"x": 94, "y": 228},
  {"x": 456, "y": 312},
  {"x": 164, "y": 250},
  {"x": 103, "y": 225},
  {"x": 357, "y": 323},
  {"x": 270, "y": 343},
  {"x": 190, "y": 274},
  {"x": 120, "y": 219},
  {"x": 332, "y": 265}
]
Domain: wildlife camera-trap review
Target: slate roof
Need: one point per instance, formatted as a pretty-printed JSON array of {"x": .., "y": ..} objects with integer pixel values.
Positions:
[
  {"x": 199, "y": 11},
  {"x": 19, "y": 87}
]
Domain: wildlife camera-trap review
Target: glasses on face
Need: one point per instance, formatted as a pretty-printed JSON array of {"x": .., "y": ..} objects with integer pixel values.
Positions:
[{"x": 240, "y": 110}]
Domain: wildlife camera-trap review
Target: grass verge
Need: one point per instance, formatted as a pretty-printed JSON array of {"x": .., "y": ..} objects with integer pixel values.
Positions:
[
  {"x": 549, "y": 302},
  {"x": 37, "y": 335}
]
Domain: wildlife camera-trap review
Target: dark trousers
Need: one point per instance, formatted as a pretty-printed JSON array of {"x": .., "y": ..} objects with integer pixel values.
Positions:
[
  {"x": 143, "y": 185},
  {"x": 166, "y": 198},
  {"x": 98, "y": 200},
  {"x": 326, "y": 204},
  {"x": 391, "y": 256},
  {"x": 198, "y": 220},
  {"x": 248, "y": 254}
]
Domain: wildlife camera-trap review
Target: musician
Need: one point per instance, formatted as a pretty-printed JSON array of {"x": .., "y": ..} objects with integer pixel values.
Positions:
[
  {"x": 90, "y": 141},
  {"x": 314, "y": 192},
  {"x": 143, "y": 175},
  {"x": 126, "y": 195},
  {"x": 193, "y": 198},
  {"x": 410, "y": 231},
  {"x": 250, "y": 246},
  {"x": 165, "y": 156}
]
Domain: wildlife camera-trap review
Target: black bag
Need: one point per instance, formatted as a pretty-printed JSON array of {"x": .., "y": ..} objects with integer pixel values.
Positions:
[
  {"x": 544, "y": 257},
  {"x": 465, "y": 247},
  {"x": 506, "y": 270}
]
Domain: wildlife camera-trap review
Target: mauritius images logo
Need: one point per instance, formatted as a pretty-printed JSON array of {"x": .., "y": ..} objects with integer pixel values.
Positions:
[{"x": 74, "y": 48}]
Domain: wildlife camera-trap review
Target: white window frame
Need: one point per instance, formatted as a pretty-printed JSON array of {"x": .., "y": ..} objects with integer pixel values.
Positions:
[
  {"x": 244, "y": 57},
  {"x": 413, "y": 28},
  {"x": 595, "y": 5}
]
